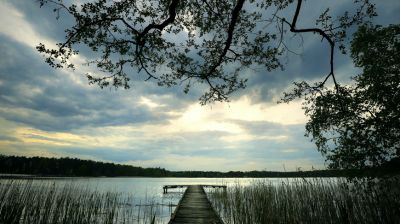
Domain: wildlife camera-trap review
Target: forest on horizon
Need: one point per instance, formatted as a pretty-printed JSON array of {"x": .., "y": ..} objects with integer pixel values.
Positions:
[{"x": 74, "y": 167}]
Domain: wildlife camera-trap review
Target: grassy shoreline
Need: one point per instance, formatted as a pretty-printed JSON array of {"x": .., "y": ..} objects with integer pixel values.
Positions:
[
  {"x": 307, "y": 201},
  {"x": 29, "y": 202}
]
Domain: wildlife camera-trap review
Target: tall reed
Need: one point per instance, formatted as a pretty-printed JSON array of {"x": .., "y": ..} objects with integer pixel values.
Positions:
[
  {"x": 30, "y": 202},
  {"x": 306, "y": 201}
]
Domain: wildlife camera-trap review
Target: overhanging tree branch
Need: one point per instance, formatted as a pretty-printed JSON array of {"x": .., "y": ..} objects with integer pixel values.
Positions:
[
  {"x": 172, "y": 15},
  {"x": 214, "y": 90},
  {"x": 141, "y": 40},
  {"x": 222, "y": 39},
  {"x": 320, "y": 32},
  {"x": 228, "y": 42}
]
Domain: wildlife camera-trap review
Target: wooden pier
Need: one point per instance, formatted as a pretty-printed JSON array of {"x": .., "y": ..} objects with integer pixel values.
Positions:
[
  {"x": 194, "y": 207},
  {"x": 166, "y": 187}
]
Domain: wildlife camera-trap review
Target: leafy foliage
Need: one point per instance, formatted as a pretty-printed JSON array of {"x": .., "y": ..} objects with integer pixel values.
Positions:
[
  {"x": 185, "y": 42},
  {"x": 360, "y": 126}
]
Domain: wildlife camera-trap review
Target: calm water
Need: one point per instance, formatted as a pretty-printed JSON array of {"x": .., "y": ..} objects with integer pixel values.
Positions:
[{"x": 147, "y": 192}]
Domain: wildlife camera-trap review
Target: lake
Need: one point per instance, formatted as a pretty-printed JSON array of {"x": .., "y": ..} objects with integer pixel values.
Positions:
[
  {"x": 141, "y": 200},
  {"x": 144, "y": 193}
]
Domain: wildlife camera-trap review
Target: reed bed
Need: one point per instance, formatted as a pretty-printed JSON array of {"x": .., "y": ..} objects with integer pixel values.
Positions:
[
  {"x": 307, "y": 201},
  {"x": 29, "y": 202}
]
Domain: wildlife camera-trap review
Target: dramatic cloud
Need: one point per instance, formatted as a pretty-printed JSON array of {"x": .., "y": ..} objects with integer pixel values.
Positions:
[{"x": 47, "y": 112}]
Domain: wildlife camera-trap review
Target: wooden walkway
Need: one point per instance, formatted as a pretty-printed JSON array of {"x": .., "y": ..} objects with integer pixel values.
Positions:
[{"x": 195, "y": 208}]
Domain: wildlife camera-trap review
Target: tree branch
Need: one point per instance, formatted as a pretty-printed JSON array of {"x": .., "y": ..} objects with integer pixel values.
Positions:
[
  {"x": 320, "y": 32},
  {"x": 228, "y": 42},
  {"x": 172, "y": 14}
]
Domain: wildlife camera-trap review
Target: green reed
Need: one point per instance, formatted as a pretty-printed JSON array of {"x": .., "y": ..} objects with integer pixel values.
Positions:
[
  {"x": 30, "y": 202},
  {"x": 307, "y": 201}
]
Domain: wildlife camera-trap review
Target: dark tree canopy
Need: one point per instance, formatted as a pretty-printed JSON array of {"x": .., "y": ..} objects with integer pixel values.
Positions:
[
  {"x": 360, "y": 126},
  {"x": 189, "y": 42}
]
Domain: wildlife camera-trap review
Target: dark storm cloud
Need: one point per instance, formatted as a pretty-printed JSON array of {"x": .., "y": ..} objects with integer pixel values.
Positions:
[{"x": 55, "y": 103}]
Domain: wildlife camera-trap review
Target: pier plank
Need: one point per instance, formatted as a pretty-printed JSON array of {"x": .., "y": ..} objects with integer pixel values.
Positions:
[{"x": 195, "y": 208}]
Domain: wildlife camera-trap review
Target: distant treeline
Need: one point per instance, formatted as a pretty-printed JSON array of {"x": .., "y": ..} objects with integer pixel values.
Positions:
[
  {"x": 72, "y": 167},
  {"x": 42, "y": 166}
]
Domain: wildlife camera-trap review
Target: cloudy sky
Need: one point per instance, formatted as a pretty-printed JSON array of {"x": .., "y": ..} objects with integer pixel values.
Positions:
[{"x": 55, "y": 113}]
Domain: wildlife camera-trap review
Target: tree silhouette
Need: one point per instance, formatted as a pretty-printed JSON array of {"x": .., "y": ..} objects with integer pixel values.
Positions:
[
  {"x": 360, "y": 127},
  {"x": 187, "y": 42}
]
